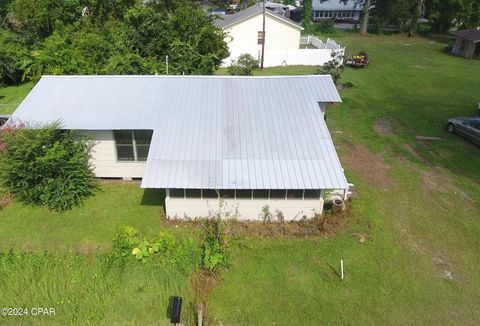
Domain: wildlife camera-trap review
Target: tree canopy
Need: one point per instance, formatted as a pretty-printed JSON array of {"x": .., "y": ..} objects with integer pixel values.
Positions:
[{"x": 106, "y": 37}]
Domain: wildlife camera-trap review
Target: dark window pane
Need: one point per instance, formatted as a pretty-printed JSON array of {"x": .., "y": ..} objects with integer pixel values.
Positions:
[
  {"x": 123, "y": 137},
  {"x": 260, "y": 194},
  {"x": 244, "y": 193},
  {"x": 312, "y": 194},
  {"x": 209, "y": 193},
  {"x": 230, "y": 193},
  {"x": 142, "y": 152},
  {"x": 143, "y": 137},
  {"x": 277, "y": 194},
  {"x": 125, "y": 153},
  {"x": 294, "y": 194},
  {"x": 176, "y": 193},
  {"x": 193, "y": 193}
]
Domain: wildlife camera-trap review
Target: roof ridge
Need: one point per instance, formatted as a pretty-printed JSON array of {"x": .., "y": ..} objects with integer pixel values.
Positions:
[{"x": 185, "y": 76}]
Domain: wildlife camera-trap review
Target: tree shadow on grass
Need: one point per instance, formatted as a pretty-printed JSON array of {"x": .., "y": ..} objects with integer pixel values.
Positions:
[{"x": 153, "y": 197}]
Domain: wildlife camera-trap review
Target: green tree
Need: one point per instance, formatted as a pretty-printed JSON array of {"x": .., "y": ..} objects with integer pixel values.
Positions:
[
  {"x": 12, "y": 55},
  {"x": 104, "y": 10},
  {"x": 243, "y": 66},
  {"x": 46, "y": 166},
  {"x": 38, "y": 18},
  {"x": 468, "y": 15},
  {"x": 307, "y": 15},
  {"x": 192, "y": 43}
]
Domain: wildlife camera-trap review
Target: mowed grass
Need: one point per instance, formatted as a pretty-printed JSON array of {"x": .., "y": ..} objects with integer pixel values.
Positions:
[
  {"x": 416, "y": 202},
  {"x": 12, "y": 96},
  {"x": 87, "y": 228}
]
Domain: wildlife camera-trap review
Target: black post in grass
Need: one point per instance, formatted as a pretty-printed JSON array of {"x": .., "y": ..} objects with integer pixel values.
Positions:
[{"x": 176, "y": 310}]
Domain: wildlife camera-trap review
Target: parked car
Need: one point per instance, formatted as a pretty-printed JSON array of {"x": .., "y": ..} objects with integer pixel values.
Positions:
[
  {"x": 468, "y": 128},
  {"x": 3, "y": 119}
]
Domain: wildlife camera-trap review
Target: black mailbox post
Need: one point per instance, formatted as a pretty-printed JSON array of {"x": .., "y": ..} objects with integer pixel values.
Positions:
[{"x": 176, "y": 310}]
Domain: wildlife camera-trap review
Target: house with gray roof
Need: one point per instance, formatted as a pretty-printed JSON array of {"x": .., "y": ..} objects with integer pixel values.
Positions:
[
  {"x": 336, "y": 9},
  {"x": 256, "y": 142}
]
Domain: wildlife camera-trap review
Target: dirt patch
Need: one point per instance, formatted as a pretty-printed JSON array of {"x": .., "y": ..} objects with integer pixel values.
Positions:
[
  {"x": 203, "y": 282},
  {"x": 4, "y": 200},
  {"x": 437, "y": 180},
  {"x": 417, "y": 155},
  {"x": 370, "y": 166},
  {"x": 325, "y": 225},
  {"x": 383, "y": 126},
  {"x": 86, "y": 247}
]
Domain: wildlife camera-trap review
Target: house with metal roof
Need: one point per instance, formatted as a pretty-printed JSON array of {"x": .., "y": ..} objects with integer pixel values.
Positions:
[
  {"x": 336, "y": 9},
  {"x": 467, "y": 43},
  {"x": 256, "y": 142}
]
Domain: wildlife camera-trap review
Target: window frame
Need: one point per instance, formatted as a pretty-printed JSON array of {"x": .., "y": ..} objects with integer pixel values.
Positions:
[{"x": 134, "y": 145}]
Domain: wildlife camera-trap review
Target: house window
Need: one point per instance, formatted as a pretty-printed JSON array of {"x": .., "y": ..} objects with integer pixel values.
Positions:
[
  {"x": 209, "y": 193},
  {"x": 277, "y": 194},
  {"x": 227, "y": 193},
  {"x": 177, "y": 193},
  {"x": 294, "y": 194},
  {"x": 260, "y": 194},
  {"x": 312, "y": 194},
  {"x": 132, "y": 145},
  {"x": 193, "y": 193},
  {"x": 243, "y": 193}
]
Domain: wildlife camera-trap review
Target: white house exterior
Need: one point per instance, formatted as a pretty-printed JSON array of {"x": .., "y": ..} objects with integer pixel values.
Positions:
[
  {"x": 249, "y": 142},
  {"x": 335, "y": 9},
  {"x": 282, "y": 39}
]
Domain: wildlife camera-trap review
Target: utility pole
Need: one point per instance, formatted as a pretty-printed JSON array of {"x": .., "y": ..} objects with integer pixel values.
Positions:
[{"x": 263, "y": 36}]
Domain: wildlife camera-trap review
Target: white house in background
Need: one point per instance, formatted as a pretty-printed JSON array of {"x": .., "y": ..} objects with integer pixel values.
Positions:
[
  {"x": 336, "y": 9},
  {"x": 282, "y": 39},
  {"x": 242, "y": 30},
  {"x": 255, "y": 141}
]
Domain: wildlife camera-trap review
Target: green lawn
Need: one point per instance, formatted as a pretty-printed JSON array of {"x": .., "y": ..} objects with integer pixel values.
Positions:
[
  {"x": 89, "y": 227},
  {"x": 12, "y": 96},
  {"x": 417, "y": 203}
]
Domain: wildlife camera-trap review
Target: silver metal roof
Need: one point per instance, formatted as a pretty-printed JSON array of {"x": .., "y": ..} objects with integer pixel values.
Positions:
[
  {"x": 320, "y": 5},
  {"x": 224, "y": 21},
  {"x": 219, "y": 132}
]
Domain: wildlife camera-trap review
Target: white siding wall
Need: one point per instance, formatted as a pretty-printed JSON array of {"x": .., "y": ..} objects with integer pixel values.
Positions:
[
  {"x": 243, "y": 37},
  {"x": 248, "y": 209},
  {"x": 104, "y": 158}
]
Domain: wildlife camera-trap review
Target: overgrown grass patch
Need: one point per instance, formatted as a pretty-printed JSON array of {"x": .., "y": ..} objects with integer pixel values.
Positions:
[{"x": 83, "y": 291}]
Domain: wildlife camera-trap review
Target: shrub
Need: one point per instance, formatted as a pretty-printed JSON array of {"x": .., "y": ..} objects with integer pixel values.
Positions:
[
  {"x": 334, "y": 67},
  {"x": 184, "y": 254},
  {"x": 215, "y": 245},
  {"x": 46, "y": 166},
  {"x": 326, "y": 26},
  {"x": 243, "y": 66}
]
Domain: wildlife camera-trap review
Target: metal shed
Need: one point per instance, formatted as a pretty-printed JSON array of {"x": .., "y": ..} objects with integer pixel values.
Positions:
[{"x": 467, "y": 43}]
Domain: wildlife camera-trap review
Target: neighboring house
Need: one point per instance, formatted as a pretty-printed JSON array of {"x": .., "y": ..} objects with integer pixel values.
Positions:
[
  {"x": 242, "y": 30},
  {"x": 467, "y": 43},
  {"x": 335, "y": 9},
  {"x": 282, "y": 39},
  {"x": 259, "y": 141}
]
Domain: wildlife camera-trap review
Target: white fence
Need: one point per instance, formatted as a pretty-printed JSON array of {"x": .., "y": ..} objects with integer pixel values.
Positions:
[
  {"x": 316, "y": 42},
  {"x": 317, "y": 54}
]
